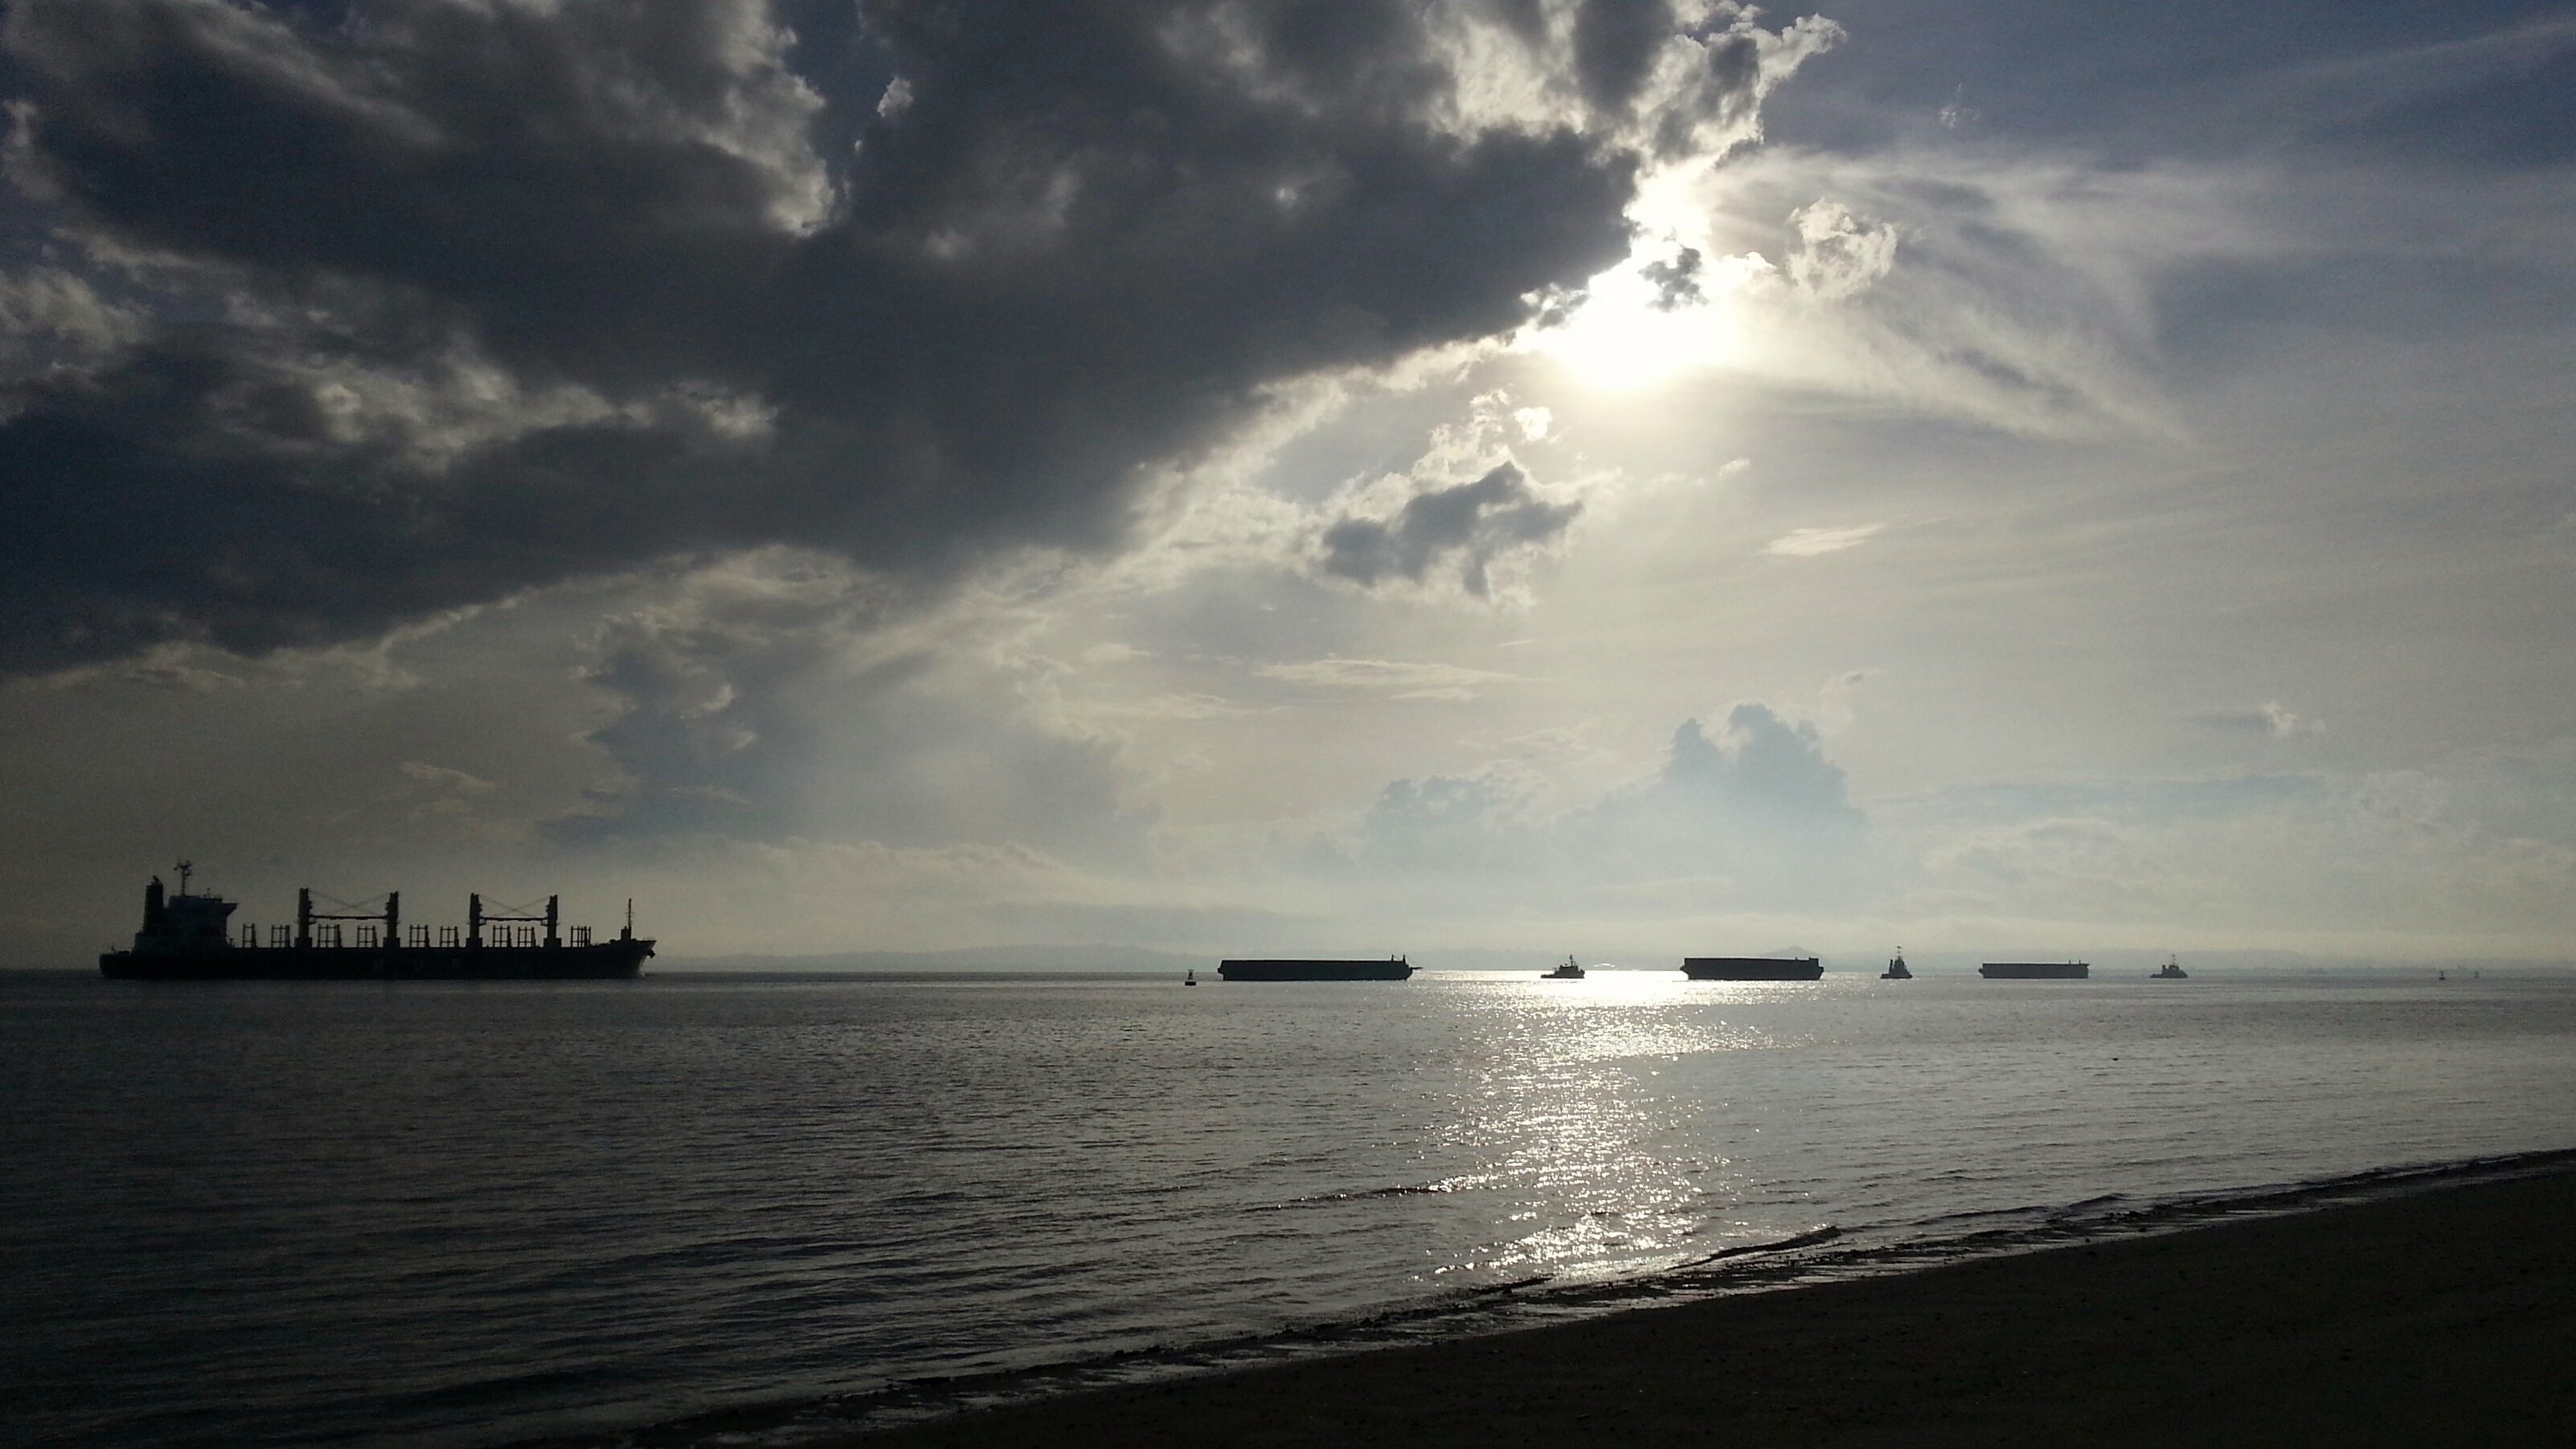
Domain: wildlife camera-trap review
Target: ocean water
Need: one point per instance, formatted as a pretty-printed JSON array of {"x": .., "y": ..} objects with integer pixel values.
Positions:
[{"x": 464, "y": 1215}]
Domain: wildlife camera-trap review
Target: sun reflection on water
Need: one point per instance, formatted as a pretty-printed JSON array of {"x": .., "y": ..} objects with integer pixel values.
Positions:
[{"x": 1560, "y": 1107}]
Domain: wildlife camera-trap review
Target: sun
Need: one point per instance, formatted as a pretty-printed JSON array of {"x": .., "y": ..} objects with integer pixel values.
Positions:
[{"x": 1624, "y": 339}]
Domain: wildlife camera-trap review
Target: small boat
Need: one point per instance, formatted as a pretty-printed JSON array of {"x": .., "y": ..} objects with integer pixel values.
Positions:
[
  {"x": 1896, "y": 968},
  {"x": 1190, "y": 977},
  {"x": 1567, "y": 972},
  {"x": 2170, "y": 971}
]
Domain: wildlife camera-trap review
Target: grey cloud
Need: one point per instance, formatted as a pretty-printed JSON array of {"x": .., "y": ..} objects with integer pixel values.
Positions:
[
  {"x": 1759, "y": 768},
  {"x": 1755, "y": 808},
  {"x": 1466, "y": 527},
  {"x": 937, "y": 329},
  {"x": 745, "y": 709},
  {"x": 1446, "y": 823},
  {"x": 1756, "y": 805},
  {"x": 1676, "y": 282},
  {"x": 1614, "y": 45}
]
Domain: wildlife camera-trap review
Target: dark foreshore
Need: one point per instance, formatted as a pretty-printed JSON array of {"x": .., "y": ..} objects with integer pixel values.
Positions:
[{"x": 2438, "y": 1317}]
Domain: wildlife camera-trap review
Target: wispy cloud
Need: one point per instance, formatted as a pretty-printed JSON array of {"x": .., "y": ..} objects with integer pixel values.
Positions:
[
  {"x": 1398, "y": 678},
  {"x": 440, "y": 777},
  {"x": 1171, "y": 707},
  {"x": 1810, "y": 542},
  {"x": 2272, "y": 720}
]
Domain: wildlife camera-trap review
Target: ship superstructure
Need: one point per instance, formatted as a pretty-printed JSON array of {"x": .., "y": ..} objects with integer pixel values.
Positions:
[{"x": 187, "y": 936}]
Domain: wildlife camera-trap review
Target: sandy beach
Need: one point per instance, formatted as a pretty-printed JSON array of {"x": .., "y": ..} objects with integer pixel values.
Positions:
[{"x": 2441, "y": 1317}]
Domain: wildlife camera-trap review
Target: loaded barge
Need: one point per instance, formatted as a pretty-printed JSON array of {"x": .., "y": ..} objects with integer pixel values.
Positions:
[
  {"x": 1394, "y": 968},
  {"x": 189, "y": 937}
]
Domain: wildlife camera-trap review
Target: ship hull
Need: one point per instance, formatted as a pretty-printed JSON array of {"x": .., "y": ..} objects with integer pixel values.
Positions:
[
  {"x": 1751, "y": 968},
  {"x": 2035, "y": 971},
  {"x": 606, "y": 961},
  {"x": 1314, "y": 970}
]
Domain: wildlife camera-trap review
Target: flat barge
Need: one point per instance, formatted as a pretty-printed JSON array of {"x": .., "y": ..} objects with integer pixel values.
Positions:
[
  {"x": 1752, "y": 968},
  {"x": 1394, "y": 968},
  {"x": 2035, "y": 970}
]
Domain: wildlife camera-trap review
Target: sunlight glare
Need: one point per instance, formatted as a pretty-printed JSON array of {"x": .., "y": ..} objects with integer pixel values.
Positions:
[{"x": 1620, "y": 340}]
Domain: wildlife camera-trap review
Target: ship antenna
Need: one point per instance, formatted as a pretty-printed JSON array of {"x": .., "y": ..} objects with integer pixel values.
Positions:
[{"x": 185, "y": 867}]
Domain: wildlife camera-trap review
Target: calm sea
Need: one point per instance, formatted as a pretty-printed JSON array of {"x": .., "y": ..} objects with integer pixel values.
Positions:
[{"x": 470, "y": 1214}]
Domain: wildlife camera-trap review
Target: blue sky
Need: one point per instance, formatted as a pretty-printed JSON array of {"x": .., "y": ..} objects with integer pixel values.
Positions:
[{"x": 1628, "y": 479}]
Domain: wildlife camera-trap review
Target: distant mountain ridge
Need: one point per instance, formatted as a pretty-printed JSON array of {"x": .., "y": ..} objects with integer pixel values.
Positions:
[{"x": 1106, "y": 957}]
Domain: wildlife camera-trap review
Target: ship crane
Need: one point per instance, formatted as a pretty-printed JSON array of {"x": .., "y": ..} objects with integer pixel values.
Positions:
[
  {"x": 305, "y": 915},
  {"x": 476, "y": 918}
]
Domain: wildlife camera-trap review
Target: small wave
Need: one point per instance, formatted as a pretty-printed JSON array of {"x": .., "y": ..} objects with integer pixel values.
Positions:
[
  {"x": 1808, "y": 1239},
  {"x": 1365, "y": 1194},
  {"x": 1519, "y": 1303}
]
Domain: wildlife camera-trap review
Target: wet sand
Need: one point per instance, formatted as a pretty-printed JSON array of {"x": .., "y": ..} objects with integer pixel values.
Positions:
[{"x": 2444, "y": 1317}]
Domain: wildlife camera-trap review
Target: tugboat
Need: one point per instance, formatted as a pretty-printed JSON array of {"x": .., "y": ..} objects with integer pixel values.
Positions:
[
  {"x": 2170, "y": 971},
  {"x": 1896, "y": 968},
  {"x": 1567, "y": 972},
  {"x": 1190, "y": 977}
]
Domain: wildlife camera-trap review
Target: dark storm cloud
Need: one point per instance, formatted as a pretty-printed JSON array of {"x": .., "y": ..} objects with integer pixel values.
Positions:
[
  {"x": 1614, "y": 44},
  {"x": 453, "y": 301},
  {"x": 1465, "y": 527}
]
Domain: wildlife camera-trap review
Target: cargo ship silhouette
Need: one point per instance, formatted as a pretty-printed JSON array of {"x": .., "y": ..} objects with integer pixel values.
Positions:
[{"x": 189, "y": 937}]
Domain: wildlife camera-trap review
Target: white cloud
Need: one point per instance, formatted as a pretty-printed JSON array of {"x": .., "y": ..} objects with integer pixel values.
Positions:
[{"x": 1840, "y": 252}]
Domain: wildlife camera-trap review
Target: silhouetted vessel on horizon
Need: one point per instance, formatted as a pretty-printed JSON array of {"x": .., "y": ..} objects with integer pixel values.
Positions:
[
  {"x": 1570, "y": 971},
  {"x": 2170, "y": 971},
  {"x": 2035, "y": 970},
  {"x": 1896, "y": 968},
  {"x": 1752, "y": 968},
  {"x": 1393, "y": 968},
  {"x": 189, "y": 937}
]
